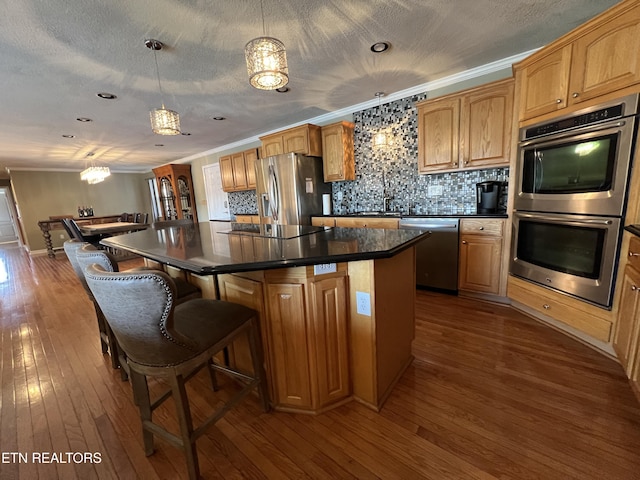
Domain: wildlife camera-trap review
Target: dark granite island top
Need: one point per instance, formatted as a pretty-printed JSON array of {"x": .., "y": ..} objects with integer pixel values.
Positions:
[
  {"x": 210, "y": 248},
  {"x": 336, "y": 306}
]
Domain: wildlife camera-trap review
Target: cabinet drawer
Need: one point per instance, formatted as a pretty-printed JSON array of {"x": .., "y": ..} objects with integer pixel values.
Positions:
[
  {"x": 633, "y": 256},
  {"x": 323, "y": 221},
  {"x": 482, "y": 227},
  {"x": 572, "y": 312}
]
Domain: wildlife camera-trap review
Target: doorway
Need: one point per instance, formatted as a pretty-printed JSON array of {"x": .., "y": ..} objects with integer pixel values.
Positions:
[
  {"x": 217, "y": 199},
  {"x": 8, "y": 227}
]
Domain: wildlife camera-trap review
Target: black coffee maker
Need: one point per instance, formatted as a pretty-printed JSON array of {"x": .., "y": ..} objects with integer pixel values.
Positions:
[{"x": 488, "y": 196}]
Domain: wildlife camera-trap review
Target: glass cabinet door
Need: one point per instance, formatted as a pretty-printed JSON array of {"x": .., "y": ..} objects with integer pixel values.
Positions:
[
  {"x": 168, "y": 199},
  {"x": 185, "y": 197}
]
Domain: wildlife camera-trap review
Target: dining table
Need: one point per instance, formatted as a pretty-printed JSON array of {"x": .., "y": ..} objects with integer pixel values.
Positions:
[{"x": 113, "y": 228}]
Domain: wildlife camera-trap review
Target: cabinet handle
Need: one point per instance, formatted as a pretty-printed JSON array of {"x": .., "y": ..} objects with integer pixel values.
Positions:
[
  {"x": 631, "y": 254},
  {"x": 633, "y": 288},
  {"x": 546, "y": 306},
  {"x": 466, "y": 162},
  {"x": 481, "y": 228},
  {"x": 464, "y": 242},
  {"x": 575, "y": 95},
  {"x": 559, "y": 100}
]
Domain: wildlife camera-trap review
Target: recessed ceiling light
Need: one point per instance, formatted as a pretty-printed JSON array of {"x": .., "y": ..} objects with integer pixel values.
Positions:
[
  {"x": 106, "y": 96},
  {"x": 282, "y": 89},
  {"x": 219, "y": 118},
  {"x": 380, "y": 47},
  {"x": 84, "y": 119},
  {"x": 68, "y": 136}
]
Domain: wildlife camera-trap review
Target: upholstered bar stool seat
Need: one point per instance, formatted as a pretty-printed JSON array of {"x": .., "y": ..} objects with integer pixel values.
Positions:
[
  {"x": 173, "y": 343},
  {"x": 81, "y": 255}
]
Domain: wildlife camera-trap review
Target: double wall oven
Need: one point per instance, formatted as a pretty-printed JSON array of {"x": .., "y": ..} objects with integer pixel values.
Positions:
[{"x": 572, "y": 179}]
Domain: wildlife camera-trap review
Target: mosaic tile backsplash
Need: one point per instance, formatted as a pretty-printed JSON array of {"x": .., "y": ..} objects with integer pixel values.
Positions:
[{"x": 393, "y": 173}]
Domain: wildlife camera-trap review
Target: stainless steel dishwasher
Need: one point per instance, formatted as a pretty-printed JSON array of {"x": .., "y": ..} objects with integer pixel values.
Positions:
[{"x": 437, "y": 255}]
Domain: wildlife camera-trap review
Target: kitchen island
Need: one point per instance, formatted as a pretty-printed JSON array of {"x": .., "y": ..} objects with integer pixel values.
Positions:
[{"x": 336, "y": 305}]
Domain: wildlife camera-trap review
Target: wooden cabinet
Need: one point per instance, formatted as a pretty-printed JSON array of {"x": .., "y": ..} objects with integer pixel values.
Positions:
[
  {"x": 323, "y": 221},
  {"x": 625, "y": 341},
  {"x": 305, "y": 139},
  {"x": 480, "y": 255},
  {"x": 247, "y": 219},
  {"x": 337, "y": 152},
  {"x": 308, "y": 331},
  {"x": 470, "y": 129},
  {"x": 367, "y": 222},
  {"x": 175, "y": 189},
  {"x": 595, "y": 59},
  {"x": 238, "y": 171}
]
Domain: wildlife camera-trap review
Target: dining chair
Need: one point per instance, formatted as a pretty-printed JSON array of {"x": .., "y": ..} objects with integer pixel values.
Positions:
[
  {"x": 76, "y": 233},
  {"x": 172, "y": 343}
]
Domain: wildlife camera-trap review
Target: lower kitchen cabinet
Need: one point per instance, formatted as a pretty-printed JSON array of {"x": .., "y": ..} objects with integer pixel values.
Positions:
[
  {"x": 480, "y": 258},
  {"x": 250, "y": 293},
  {"x": 308, "y": 328},
  {"x": 367, "y": 222},
  {"x": 625, "y": 341}
]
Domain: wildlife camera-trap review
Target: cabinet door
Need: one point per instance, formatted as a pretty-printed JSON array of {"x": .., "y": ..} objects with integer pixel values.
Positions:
[
  {"x": 545, "y": 84},
  {"x": 250, "y": 157},
  {"x": 606, "y": 58},
  {"x": 479, "y": 269},
  {"x": 626, "y": 339},
  {"x": 239, "y": 171},
  {"x": 486, "y": 118},
  {"x": 226, "y": 174},
  {"x": 296, "y": 140},
  {"x": 367, "y": 222},
  {"x": 337, "y": 152},
  {"x": 248, "y": 293},
  {"x": 272, "y": 145},
  {"x": 438, "y": 135},
  {"x": 290, "y": 355},
  {"x": 329, "y": 338}
]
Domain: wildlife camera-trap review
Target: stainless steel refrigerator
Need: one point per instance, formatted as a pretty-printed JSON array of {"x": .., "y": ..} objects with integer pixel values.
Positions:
[{"x": 290, "y": 188}]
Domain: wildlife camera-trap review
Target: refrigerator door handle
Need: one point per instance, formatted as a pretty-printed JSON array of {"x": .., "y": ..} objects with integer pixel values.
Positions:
[{"x": 273, "y": 195}]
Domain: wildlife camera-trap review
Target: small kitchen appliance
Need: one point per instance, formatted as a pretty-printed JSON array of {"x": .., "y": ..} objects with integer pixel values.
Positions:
[{"x": 488, "y": 196}]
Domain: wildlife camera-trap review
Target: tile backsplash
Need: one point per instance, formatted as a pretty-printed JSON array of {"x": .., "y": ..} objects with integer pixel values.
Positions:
[{"x": 393, "y": 172}]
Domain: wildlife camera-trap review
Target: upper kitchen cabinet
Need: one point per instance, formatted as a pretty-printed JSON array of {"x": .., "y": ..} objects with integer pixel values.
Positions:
[
  {"x": 238, "y": 171},
  {"x": 600, "y": 57},
  {"x": 305, "y": 139},
  {"x": 175, "y": 188},
  {"x": 469, "y": 129},
  {"x": 337, "y": 149}
]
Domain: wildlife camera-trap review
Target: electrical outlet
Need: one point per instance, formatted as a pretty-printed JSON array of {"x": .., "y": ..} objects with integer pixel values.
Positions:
[
  {"x": 339, "y": 196},
  {"x": 363, "y": 303},
  {"x": 435, "y": 190},
  {"x": 324, "y": 268},
  {"x": 62, "y": 236}
]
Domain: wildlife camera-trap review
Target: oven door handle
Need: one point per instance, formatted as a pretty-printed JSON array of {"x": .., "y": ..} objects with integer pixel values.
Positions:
[
  {"x": 551, "y": 219},
  {"x": 573, "y": 133}
]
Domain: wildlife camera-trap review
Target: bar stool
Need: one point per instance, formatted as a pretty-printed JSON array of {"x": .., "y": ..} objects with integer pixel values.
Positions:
[
  {"x": 107, "y": 341},
  {"x": 86, "y": 254},
  {"x": 171, "y": 342}
]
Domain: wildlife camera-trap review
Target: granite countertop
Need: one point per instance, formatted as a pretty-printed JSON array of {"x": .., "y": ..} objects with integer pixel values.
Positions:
[
  {"x": 399, "y": 215},
  {"x": 210, "y": 248}
]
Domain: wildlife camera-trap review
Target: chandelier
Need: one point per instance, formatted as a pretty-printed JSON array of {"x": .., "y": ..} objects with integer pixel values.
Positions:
[
  {"x": 266, "y": 61},
  {"x": 163, "y": 120},
  {"x": 380, "y": 138},
  {"x": 93, "y": 174}
]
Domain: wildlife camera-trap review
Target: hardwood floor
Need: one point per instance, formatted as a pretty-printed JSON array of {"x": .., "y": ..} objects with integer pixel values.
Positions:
[{"x": 491, "y": 395}]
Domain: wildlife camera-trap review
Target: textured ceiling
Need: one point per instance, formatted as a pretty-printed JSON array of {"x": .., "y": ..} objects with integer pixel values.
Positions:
[{"x": 56, "y": 55}]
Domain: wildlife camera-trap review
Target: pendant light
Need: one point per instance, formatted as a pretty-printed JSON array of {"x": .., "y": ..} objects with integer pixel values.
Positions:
[
  {"x": 94, "y": 174},
  {"x": 163, "y": 120},
  {"x": 380, "y": 138},
  {"x": 266, "y": 61}
]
